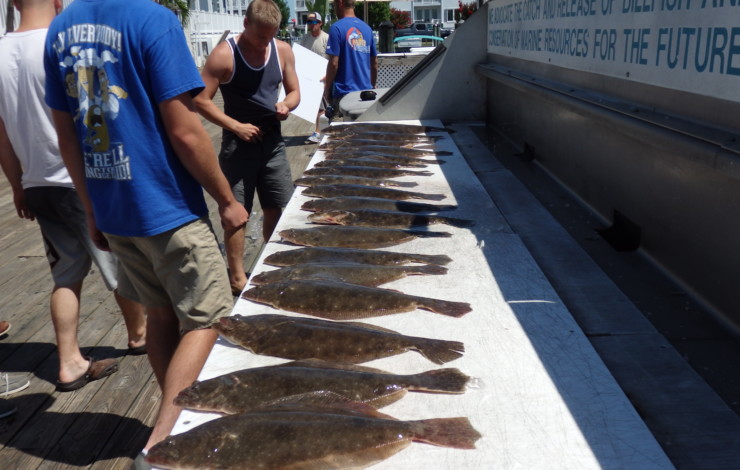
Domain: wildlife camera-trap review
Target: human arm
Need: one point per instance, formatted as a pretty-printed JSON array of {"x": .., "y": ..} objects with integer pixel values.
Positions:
[
  {"x": 290, "y": 82},
  {"x": 218, "y": 67},
  {"x": 331, "y": 72},
  {"x": 194, "y": 149},
  {"x": 13, "y": 172},
  {"x": 374, "y": 70},
  {"x": 69, "y": 147}
]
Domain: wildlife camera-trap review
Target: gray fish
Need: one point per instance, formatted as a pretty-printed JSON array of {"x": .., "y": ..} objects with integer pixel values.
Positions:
[
  {"x": 248, "y": 389},
  {"x": 346, "y": 342},
  {"x": 384, "y": 157},
  {"x": 340, "y": 301},
  {"x": 350, "y": 255},
  {"x": 377, "y": 203},
  {"x": 376, "y": 218},
  {"x": 352, "y": 273},
  {"x": 365, "y": 172},
  {"x": 335, "y": 190},
  {"x": 277, "y": 438},
  {"x": 354, "y": 237},
  {"x": 322, "y": 180},
  {"x": 383, "y": 127},
  {"x": 368, "y": 162}
]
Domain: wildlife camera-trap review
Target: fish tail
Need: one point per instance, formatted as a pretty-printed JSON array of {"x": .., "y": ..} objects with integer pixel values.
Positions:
[
  {"x": 443, "y": 153},
  {"x": 428, "y": 269},
  {"x": 457, "y": 433},
  {"x": 439, "y": 351},
  {"x": 444, "y": 307},
  {"x": 433, "y": 259},
  {"x": 422, "y": 173},
  {"x": 448, "y": 380}
]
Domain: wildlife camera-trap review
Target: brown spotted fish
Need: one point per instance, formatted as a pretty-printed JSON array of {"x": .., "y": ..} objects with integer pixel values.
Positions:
[
  {"x": 354, "y": 237},
  {"x": 364, "y": 172},
  {"x": 341, "y": 301},
  {"x": 248, "y": 389},
  {"x": 275, "y": 438},
  {"x": 350, "y": 255},
  {"x": 352, "y": 273},
  {"x": 382, "y": 127},
  {"x": 376, "y": 203},
  {"x": 321, "y": 180},
  {"x": 397, "y": 159},
  {"x": 368, "y": 162},
  {"x": 335, "y": 190},
  {"x": 346, "y": 342},
  {"x": 389, "y": 219}
]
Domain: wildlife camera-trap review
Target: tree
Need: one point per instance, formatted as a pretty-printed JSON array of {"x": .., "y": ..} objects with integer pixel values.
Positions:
[
  {"x": 178, "y": 7},
  {"x": 377, "y": 12},
  {"x": 284, "y": 11},
  {"x": 464, "y": 10},
  {"x": 400, "y": 18}
]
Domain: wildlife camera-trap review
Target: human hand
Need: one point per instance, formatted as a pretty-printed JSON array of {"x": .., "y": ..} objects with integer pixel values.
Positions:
[
  {"x": 233, "y": 216},
  {"x": 96, "y": 235},
  {"x": 282, "y": 111},
  {"x": 19, "y": 199},
  {"x": 248, "y": 132}
]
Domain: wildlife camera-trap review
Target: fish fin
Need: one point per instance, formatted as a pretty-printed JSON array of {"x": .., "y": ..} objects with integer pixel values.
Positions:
[
  {"x": 444, "y": 307},
  {"x": 457, "y": 433},
  {"x": 439, "y": 351},
  {"x": 433, "y": 259},
  {"x": 323, "y": 401},
  {"x": 388, "y": 398},
  {"x": 423, "y": 234},
  {"x": 368, "y": 326},
  {"x": 427, "y": 269},
  {"x": 448, "y": 380},
  {"x": 320, "y": 364},
  {"x": 401, "y": 184}
]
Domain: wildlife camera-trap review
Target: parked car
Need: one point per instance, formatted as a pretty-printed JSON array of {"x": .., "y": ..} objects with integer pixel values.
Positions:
[{"x": 420, "y": 28}]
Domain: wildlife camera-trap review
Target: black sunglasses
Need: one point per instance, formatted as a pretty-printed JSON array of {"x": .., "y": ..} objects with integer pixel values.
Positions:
[{"x": 314, "y": 22}]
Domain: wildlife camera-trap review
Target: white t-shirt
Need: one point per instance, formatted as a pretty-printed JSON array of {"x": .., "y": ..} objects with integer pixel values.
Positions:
[
  {"x": 26, "y": 117},
  {"x": 316, "y": 44}
]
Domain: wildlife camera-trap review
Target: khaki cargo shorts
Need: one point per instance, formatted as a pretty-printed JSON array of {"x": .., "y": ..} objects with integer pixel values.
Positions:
[{"x": 182, "y": 267}]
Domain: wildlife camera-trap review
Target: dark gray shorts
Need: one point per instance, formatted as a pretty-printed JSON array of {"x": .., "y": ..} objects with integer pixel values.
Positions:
[
  {"x": 69, "y": 248},
  {"x": 261, "y": 166}
]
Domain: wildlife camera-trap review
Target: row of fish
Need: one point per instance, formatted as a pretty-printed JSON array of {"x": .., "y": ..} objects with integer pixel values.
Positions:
[{"x": 320, "y": 411}]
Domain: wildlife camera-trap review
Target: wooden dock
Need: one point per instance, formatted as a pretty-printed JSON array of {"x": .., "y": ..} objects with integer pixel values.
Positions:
[{"x": 105, "y": 424}]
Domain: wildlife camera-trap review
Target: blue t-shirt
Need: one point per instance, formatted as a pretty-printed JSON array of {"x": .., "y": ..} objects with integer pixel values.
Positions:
[
  {"x": 109, "y": 63},
  {"x": 352, "y": 40}
]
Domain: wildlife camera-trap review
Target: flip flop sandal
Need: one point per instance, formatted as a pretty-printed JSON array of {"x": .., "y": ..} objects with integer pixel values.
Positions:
[{"x": 97, "y": 370}]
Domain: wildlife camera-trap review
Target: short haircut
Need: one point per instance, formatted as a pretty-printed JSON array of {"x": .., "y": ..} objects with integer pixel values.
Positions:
[
  {"x": 265, "y": 12},
  {"x": 348, "y": 3}
]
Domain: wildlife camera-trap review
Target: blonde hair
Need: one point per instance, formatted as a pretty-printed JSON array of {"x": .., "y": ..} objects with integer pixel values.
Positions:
[{"x": 265, "y": 12}]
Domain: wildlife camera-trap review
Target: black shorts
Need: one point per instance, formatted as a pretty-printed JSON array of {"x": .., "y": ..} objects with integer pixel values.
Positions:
[{"x": 261, "y": 166}]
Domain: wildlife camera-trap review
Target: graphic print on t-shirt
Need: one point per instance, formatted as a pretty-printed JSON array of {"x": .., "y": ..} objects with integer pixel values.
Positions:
[
  {"x": 356, "y": 41},
  {"x": 98, "y": 100}
]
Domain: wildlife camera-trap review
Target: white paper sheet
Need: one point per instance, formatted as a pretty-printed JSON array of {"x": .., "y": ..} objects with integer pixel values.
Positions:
[{"x": 311, "y": 69}]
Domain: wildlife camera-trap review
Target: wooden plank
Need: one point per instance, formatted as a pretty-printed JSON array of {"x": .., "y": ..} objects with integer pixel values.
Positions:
[{"x": 105, "y": 424}]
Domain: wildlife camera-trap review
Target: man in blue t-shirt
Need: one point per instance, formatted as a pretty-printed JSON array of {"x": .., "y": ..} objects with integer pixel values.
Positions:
[
  {"x": 353, "y": 62},
  {"x": 120, "y": 81}
]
